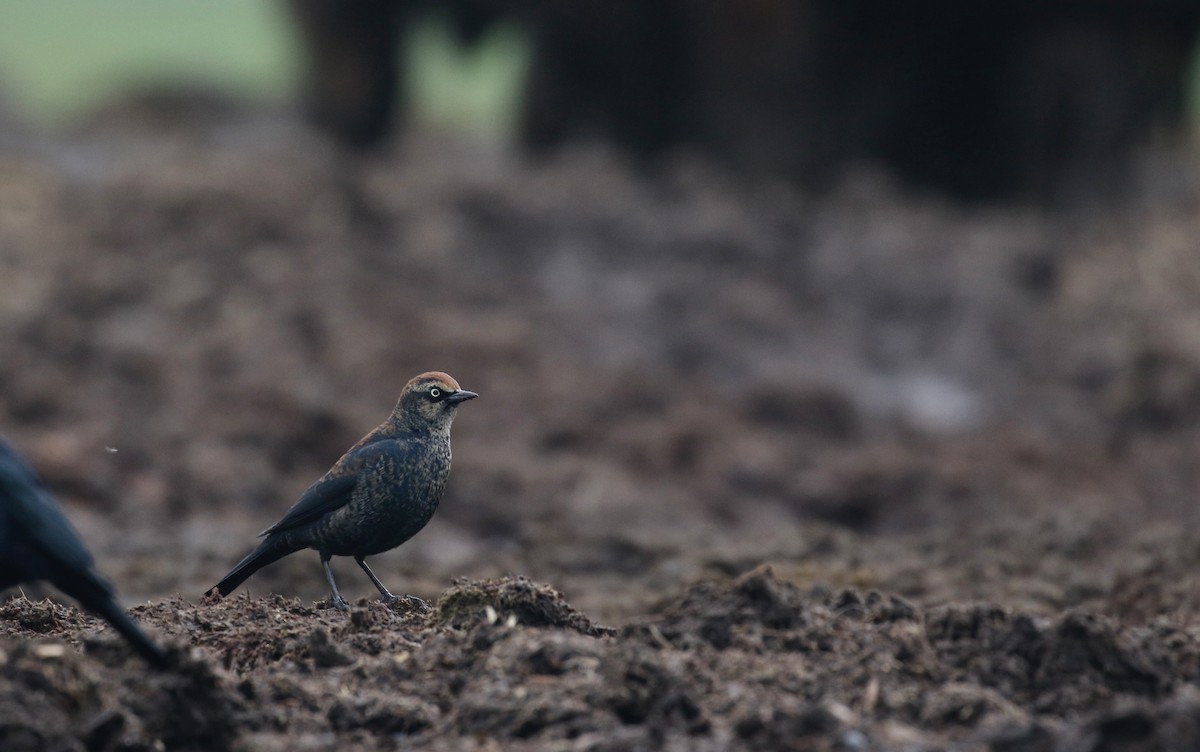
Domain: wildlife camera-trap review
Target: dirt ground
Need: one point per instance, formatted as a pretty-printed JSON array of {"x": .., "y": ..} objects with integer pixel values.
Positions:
[{"x": 750, "y": 469}]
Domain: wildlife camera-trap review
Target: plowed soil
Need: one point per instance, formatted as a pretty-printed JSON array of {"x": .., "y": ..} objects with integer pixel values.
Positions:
[{"x": 750, "y": 469}]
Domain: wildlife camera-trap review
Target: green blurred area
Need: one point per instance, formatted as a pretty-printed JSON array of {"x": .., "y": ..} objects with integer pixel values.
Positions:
[
  {"x": 475, "y": 88},
  {"x": 60, "y": 59}
]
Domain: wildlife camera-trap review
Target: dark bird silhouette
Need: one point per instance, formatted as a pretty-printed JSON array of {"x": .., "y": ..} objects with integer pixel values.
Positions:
[
  {"x": 377, "y": 496},
  {"x": 38, "y": 543}
]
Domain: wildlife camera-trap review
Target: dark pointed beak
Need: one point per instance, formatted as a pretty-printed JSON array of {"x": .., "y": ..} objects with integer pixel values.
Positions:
[{"x": 462, "y": 395}]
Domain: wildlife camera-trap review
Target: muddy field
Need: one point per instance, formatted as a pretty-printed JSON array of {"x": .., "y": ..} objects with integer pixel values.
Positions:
[{"x": 750, "y": 468}]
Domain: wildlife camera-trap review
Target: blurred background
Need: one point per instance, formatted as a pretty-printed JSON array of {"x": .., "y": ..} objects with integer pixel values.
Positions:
[
  {"x": 1015, "y": 99},
  {"x": 900, "y": 297}
]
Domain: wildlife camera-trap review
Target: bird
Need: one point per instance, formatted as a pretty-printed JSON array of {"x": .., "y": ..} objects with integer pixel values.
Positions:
[
  {"x": 37, "y": 543},
  {"x": 381, "y": 492}
]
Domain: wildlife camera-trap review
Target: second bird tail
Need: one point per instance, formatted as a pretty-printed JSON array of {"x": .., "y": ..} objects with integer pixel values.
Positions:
[
  {"x": 96, "y": 596},
  {"x": 271, "y": 550},
  {"x": 128, "y": 628}
]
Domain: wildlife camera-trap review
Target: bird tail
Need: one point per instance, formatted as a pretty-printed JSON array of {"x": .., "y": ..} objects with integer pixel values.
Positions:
[
  {"x": 270, "y": 550},
  {"x": 128, "y": 628},
  {"x": 96, "y": 596}
]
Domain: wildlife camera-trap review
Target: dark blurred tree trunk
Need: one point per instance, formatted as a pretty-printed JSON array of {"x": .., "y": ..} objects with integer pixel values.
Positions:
[
  {"x": 979, "y": 100},
  {"x": 351, "y": 84}
]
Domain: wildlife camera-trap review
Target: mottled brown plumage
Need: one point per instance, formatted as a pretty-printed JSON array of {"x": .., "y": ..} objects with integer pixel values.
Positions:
[{"x": 377, "y": 496}]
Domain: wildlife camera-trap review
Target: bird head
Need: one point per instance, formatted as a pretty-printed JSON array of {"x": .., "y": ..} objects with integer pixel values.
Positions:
[{"x": 429, "y": 401}]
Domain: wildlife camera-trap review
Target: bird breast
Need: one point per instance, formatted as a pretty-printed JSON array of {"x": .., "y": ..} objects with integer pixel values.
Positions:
[{"x": 394, "y": 498}]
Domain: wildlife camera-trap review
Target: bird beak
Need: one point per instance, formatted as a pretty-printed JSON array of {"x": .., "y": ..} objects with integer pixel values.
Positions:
[{"x": 462, "y": 395}]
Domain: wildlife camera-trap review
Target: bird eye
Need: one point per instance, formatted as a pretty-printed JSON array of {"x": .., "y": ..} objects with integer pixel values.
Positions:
[{"x": 435, "y": 393}]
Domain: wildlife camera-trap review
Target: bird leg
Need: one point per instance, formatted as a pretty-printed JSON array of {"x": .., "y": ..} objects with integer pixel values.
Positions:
[
  {"x": 338, "y": 601},
  {"x": 384, "y": 592}
]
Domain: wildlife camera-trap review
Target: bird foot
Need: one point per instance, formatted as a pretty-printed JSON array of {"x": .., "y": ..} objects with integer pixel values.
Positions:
[
  {"x": 338, "y": 603},
  {"x": 411, "y": 600}
]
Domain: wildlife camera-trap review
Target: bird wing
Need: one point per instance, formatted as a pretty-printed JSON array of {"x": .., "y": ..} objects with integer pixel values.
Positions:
[
  {"x": 35, "y": 516},
  {"x": 335, "y": 489}
]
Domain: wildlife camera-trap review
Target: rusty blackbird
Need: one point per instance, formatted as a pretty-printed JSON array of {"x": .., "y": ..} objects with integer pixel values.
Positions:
[
  {"x": 377, "y": 496},
  {"x": 37, "y": 542}
]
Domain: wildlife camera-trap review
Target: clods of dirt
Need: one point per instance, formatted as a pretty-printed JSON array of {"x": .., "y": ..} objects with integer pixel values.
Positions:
[
  {"x": 756, "y": 662},
  {"x": 513, "y": 601},
  {"x": 53, "y": 697}
]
